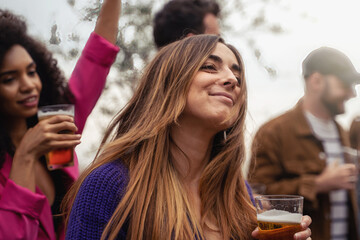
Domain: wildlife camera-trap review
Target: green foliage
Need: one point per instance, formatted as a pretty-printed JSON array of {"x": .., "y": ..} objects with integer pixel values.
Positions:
[{"x": 54, "y": 39}]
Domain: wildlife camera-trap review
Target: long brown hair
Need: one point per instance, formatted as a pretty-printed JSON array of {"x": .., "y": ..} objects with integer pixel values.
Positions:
[{"x": 155, "y": 201}]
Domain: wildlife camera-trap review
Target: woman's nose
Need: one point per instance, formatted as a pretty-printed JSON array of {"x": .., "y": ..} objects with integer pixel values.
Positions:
[
  {"x": 26, "y": 83},
  {"x": 229, "y": 79}
]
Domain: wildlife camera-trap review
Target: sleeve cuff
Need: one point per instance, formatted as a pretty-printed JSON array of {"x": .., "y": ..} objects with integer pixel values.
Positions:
[
  {"x": 249, "y": 190},
  {"x": 307, "y": 189},
  {"x": 99, "y": 50},
  {"x": 19, "y": 199}
]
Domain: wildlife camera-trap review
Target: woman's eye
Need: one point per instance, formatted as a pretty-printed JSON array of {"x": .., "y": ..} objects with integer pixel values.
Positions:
[
  {"x": 208, "y": 67},
  {"x": 7, "y": 80},
  {"x": 238, "y": 80},
  {"x": 32, "y": 73}
]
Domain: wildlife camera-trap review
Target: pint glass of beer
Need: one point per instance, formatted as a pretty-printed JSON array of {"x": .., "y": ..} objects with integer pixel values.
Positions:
[
  {"x": 279, "y": 216},
  {"x": 58, "y": 158}
]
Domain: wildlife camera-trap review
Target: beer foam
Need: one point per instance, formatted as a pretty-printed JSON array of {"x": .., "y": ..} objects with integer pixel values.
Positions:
[
  {"x": 279, "y": 216},
  {"x": 57, "y": 112}
]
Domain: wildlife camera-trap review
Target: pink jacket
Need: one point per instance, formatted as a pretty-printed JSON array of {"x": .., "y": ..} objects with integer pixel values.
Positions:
[{"x": 27, "y": 215}]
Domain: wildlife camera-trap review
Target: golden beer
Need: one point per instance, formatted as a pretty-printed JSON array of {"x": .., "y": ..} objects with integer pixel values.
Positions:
[
  {"x": 63, "y": 157},
  {"x": 278, "y": 231},
  {"x": 279, "y": 216}
]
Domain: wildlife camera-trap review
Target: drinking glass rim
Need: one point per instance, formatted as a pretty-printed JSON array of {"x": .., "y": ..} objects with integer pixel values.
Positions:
[
  {"x": 52, "y": 110},
  {"x": 279, "y": 197},
  {"x": 57, "y": 105}
]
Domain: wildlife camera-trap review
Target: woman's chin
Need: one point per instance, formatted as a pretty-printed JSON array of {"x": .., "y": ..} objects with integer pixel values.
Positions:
[{"x": 223, "y": 124}]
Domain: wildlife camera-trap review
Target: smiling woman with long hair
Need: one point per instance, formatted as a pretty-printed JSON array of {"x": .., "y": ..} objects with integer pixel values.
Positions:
[
  {"x": 30, "y": 194},
  {"x": 170, "y": 163}
]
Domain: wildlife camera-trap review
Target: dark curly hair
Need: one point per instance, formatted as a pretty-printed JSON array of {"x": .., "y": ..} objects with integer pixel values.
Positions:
[
  {"x": 181, "y": 17},
  {"x": 13, "y": 31}
]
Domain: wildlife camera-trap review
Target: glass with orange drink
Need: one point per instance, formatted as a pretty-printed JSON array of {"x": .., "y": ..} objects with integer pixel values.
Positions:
[{"x": 63, "y": 157}]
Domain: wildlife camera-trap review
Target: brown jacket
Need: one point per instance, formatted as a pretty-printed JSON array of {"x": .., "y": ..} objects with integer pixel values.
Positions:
[{"x": 287, "y": 157}]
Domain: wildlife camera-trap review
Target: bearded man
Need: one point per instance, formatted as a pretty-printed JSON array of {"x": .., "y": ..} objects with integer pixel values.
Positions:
[{"x": 301, "y": 152}]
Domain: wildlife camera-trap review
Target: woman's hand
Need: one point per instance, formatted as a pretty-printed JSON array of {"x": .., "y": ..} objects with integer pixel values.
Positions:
[
  {"x": 38, "y": 141},
  {"x": 45, "y": 136},
  {"x": 303, "y": 235}
]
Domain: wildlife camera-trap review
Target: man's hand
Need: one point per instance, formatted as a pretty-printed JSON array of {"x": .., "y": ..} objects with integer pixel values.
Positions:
[{"x": 336, "y": 177}]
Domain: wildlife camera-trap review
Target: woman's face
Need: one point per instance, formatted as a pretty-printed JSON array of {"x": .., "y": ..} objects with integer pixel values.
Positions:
[
  {"x": 20, "y": 84},
  {"x": 215, "y": 91}
]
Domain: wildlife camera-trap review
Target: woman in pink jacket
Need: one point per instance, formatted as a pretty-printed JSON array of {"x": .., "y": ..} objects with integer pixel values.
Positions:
[{"x": 29, "y": 77}]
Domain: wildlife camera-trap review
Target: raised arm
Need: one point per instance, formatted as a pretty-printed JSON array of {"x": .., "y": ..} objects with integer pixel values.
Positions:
[
  {"x": 107, "y": 22},
  {"x": 89, "y": 76}
]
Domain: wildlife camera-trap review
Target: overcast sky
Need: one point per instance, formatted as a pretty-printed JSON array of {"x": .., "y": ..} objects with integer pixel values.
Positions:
[{"x": 308, "y": 24}]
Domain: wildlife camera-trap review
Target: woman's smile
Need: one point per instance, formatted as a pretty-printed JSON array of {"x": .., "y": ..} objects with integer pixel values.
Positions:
[{"x": 224, "y": 97}]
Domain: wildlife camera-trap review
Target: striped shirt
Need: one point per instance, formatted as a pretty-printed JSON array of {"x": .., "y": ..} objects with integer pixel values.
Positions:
[{"x": 327, "y": 132}]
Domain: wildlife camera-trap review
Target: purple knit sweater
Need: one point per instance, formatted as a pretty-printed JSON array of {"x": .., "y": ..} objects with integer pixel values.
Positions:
[{"x": 97, "y": 199}]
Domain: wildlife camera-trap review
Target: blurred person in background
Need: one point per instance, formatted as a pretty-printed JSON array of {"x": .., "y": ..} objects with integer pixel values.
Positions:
[
  {"x": 301, "y": 151},
  {"x": 30, "y": 194},
  {"x": 184, "y": 18}
]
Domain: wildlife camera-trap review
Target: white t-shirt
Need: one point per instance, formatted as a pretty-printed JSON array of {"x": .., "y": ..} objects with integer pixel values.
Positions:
[{"x": 327, "y": 132}]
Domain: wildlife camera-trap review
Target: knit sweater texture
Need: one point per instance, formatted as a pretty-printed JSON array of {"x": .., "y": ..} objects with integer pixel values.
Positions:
[{"x": 97, "y": 199}]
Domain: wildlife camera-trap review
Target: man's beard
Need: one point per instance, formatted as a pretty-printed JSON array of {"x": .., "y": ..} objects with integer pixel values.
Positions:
[{"x": 334, "y": 106}]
